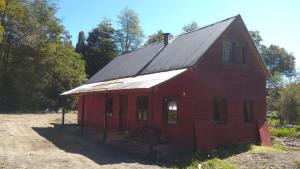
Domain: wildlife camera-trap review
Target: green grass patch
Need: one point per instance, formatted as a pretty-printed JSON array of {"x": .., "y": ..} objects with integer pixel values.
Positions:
[
  {"x": 297, "y": 162},
  {"x": 216, "y": 163},
  {"x": 284, "y": 132}
]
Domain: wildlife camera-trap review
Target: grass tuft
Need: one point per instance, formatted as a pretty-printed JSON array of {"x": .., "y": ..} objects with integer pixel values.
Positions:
[{"x": 217, "y": 163}]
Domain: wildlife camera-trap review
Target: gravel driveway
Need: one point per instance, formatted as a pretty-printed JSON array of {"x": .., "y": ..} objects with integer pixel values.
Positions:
[{"x": 30, "y": 141}]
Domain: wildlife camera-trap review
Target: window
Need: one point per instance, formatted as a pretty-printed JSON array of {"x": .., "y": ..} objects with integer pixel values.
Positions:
[
  {"x": 142, "y": 108},
  {"x": 220, "y": 110},
  {"x": 249, "y": 109},
  {"x": 230, "y": 51},
  {"x": 170, "y": 109},
  {"x": 244, "y": 55},
  {"x": 109, "y": 106}
]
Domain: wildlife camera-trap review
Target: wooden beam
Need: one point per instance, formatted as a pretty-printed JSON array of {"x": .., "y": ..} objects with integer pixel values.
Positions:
[
  {"x": 105, "y": 120},
  {"x": 63, "y": 112},
  {"x": 82, "y": 113}
]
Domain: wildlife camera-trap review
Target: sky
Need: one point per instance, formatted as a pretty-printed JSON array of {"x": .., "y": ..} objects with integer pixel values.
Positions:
[{"x": 278, "y": 21}]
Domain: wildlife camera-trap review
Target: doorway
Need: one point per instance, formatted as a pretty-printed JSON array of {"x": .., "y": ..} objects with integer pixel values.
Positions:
[{"x": 123, "y": 112}]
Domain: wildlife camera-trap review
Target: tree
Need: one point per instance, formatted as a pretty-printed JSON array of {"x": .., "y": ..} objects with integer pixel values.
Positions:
[
  {"x": 290, "y": 103},
  {"x": 37, "y": 61},
  {"x": 130, "y": 35},
  {"x": 101, "y": 47},
  {"x": 80, "y": 45},
  {"x": 156, "y": 37},
  {"x": 190, "y": 27},
  {"x": 256, "y": 38},
  {"x": 2, "y": 9},
  {"x": 276, "y": 58}
]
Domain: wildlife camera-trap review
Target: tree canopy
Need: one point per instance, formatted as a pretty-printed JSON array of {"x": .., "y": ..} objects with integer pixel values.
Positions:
[
  {"x": 190, "y": 27},
  {"x": 276, "y": 58},
  {"x": 130, "y": 35},
  {"x": 156, "y": 37},
  {"x": 37, "y": 61}
]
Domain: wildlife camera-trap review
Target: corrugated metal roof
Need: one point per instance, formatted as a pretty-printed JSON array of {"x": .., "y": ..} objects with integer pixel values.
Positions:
[
  {"x": 138, "y": 82},
  {"x": 128, "y": 64},
  {"x": 182, "y": 51},
  {"x": 187, "y": 49}
]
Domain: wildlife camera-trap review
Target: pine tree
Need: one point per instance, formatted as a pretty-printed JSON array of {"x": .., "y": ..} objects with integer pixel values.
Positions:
[
  {"x": 101, "y": 47},
  {"x": 80, "y": 46}
]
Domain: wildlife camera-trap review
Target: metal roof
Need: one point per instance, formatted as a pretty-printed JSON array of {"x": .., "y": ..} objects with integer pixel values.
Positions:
[
  {"x": 187, "y": 48},
  {"x": 183, "y": 51},
  {"x": 128, "y": 64},
  {"x": 138, "y": 82}
]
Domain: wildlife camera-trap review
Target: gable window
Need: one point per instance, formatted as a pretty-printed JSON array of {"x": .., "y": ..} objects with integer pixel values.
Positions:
[
  {"x": 249, "y": 110},
  {"x": 220, "y": 110},
  {"x": 142, "y": 108},
  {"x": 170, "y": 110},
  {"x": 109, "y": 106},
  {"x": 230, "y": 50},
  {"x": 244, "y": 55}
]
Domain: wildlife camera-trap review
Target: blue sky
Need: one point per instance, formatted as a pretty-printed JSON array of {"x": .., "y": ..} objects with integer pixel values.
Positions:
[{"x": 277, "y": 20}]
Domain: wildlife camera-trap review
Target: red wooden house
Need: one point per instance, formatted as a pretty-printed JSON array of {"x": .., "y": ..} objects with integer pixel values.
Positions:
[{"x": 200, "y": 89}]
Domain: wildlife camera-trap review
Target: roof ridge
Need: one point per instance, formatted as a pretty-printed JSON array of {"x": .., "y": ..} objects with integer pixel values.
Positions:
[
  {"x": 191, "y": 31},
  {"x": 209, "y": 25}
]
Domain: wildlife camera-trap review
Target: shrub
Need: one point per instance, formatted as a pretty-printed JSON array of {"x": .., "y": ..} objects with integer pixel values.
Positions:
[{"x": 283, "y": 132}]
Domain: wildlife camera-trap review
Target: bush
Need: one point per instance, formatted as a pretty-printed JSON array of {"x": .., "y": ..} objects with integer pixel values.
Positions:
[{"x": 283, "y": 132}]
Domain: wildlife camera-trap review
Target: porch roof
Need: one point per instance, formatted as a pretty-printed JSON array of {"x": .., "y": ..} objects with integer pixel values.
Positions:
[{"x": 138, "y": 82}]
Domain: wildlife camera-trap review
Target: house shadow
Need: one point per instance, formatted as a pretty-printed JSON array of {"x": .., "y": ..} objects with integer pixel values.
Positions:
[{"x": 69, "y": 139}]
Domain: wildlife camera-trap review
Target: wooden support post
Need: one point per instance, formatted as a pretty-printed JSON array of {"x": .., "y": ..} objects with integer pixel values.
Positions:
[
  {"x": 63, "y": 112},
  {"x": 152, "y": 122},
  {"x": 82, "y": 113},
  {"x": 105, "y": 120}
]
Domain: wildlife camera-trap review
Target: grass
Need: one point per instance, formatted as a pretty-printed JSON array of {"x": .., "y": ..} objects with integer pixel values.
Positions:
[
  {"x": 191, "y": 160},
  {"x": 284, "y": 132},
  {"x": 297, "y": 162},
  {"x": 216, "y": 163}
]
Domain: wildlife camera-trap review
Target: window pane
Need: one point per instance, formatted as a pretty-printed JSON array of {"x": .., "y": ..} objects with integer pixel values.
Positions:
[
  {"x": 170, "y": 108},
  {"x": 245, "y": 55},
  {"x": 142, "y": 108},
  {"x": 227, "y": 48},
  {"x": 220, "y": 110}
]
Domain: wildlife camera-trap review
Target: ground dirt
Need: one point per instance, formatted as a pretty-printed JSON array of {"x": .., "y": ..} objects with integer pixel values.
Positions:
[{"x": 31, "y": 141}]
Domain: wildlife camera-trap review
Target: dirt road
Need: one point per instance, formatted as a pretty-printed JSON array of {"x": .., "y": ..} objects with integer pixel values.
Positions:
[{"x": 30, "y": 141}]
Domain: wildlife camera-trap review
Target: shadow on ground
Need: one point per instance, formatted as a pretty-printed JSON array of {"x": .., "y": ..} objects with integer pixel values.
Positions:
[{"x": 76, "y": 143}]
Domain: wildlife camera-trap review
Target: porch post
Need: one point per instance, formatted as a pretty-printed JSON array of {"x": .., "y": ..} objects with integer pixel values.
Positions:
[
  {"x": 63, "y": 112},
  {"x": 82, "y": 113},
  {"x": 105, "y": 119},
  {"x": 151, "y": 122}
]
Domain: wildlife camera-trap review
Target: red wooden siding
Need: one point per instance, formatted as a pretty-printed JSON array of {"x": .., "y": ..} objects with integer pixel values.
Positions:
[{"x": 195, "y": 90}]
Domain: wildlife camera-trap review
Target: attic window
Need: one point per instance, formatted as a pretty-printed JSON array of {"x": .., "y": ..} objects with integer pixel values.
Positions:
[
  {"x": 244, "y": 55},
  {"x": 230, "y": 50}
]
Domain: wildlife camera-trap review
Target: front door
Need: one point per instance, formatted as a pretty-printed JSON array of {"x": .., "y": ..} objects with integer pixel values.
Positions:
[{"x": 123, "y": 112}]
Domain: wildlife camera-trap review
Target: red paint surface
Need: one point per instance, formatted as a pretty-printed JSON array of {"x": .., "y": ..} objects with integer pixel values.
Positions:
[{"x": 196, "y": 89}]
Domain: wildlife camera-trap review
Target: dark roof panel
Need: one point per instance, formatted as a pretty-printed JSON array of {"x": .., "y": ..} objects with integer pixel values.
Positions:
[
  {"x": 127, "y": 65},
  {"x": 186, "y": 49},
  {"x": 183, "y": 51}
]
